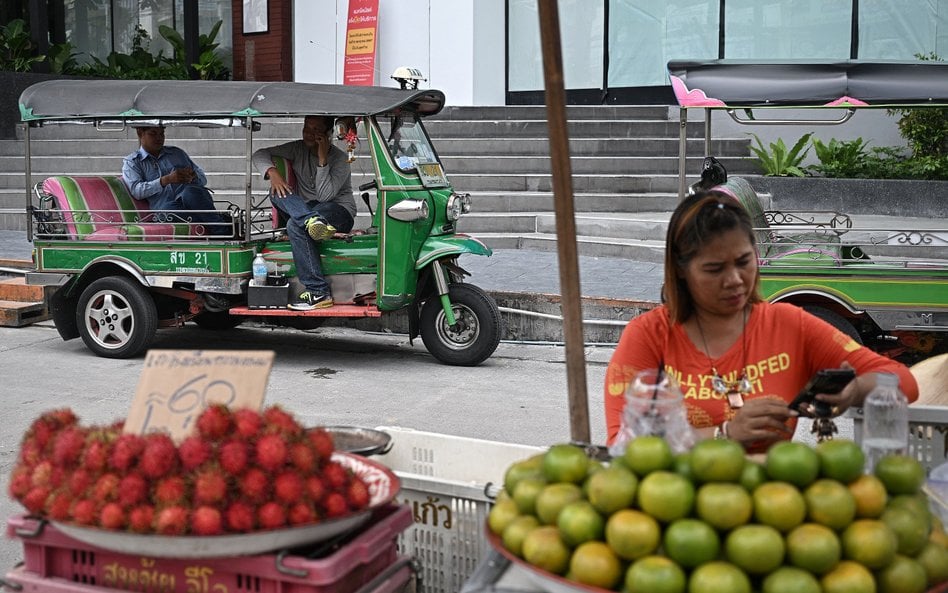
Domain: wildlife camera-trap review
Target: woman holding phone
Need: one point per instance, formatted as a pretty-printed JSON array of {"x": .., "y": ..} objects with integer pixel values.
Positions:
[{"x": 738, "y": 360}]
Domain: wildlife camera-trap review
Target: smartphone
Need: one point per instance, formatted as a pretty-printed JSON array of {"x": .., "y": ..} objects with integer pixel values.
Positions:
[{"x": 824, "y": 381}]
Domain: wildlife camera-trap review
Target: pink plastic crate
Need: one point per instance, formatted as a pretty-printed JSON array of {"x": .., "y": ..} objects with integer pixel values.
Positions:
[
  {"x": 395, "y": 581},
  {"x": 52, "y": 556}
]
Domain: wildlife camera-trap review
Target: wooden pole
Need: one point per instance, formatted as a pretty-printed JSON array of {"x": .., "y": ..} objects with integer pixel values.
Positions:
[{"x": 565, "y": 220}]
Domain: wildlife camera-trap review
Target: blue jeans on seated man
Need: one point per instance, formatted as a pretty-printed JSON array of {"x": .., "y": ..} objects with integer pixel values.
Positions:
[
  {"x": 305, "y": 253},
  {"x": 194, "y": 197}
]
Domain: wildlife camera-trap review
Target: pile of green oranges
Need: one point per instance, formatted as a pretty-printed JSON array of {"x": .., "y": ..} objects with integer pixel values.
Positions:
[{"x": 801, "y": 519}]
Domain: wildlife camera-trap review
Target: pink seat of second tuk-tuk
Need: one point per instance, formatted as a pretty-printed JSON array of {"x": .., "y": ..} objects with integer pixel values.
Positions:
[{"x": 100, "y": 208}]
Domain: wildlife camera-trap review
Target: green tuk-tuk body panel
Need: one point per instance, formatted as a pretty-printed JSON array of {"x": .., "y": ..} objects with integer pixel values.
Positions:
[
  {"x": 151, "y": 258},
  {"x": 457, "y": 244},
  {"x": 869, "y": 289}
]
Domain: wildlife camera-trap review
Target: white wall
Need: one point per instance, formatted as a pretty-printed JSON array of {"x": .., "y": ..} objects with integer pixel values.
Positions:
[{"x": 458, "y": 44}]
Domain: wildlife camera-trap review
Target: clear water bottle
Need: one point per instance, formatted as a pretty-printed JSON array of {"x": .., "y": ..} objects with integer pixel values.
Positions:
[
  {"x": 259, "y": 268},
  {"x": 885, "y": 430}
]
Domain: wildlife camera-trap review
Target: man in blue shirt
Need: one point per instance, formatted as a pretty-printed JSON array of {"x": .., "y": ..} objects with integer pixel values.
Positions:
[{"x": 171, "y": 182}]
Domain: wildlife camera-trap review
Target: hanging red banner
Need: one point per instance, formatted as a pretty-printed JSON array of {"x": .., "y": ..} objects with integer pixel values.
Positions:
[{"x": 361, "y": 29}]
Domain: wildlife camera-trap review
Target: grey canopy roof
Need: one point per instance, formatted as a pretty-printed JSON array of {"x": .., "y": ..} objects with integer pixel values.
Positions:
[
  {"x": 847, "y": 83},
  {"x": 150, "y": 99}
]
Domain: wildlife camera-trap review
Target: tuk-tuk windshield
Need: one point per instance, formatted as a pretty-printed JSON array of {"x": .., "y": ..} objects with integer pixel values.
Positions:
[{"x": 406, "y": 141}]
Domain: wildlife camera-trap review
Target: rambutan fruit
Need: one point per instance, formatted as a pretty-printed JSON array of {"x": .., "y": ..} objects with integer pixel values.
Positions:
[
  {"x": 35, "y": 499},
  {"x": 31, "y": 453},
  {"x": 302, "y": 456},
  {"x": 126, "y": 451},
  {"x": 206, "y": 520},
  {"x": 315, "y": 488},
  {"x": 335, "y": 475},
  {"x": 247, "y": 423},
  {"x": 169, "y": 491},
  {"x": 84, "y": 511},
  {"x": 112, "y": 516},
  {"x": 194, "y": 451},
  {"x": 106, "y": 487},
  {"x": 288, "y": 487},
  {"x": 132, "y": 490},
  {"x": 278, "y": 420},
  {"x": 254, "y": 485},
  {"x": 59, "y": 504},
  {"x": 322, "y": 443},
  {"x": 239, "y": 517},
  {"x": 172, "y": 520},
  {"x": 48, "y": 424},
  {"x": 357, "y": 494},
  {"x": 79, "y": 481},
  {"x": 215, "y": 422},
  {"x": 21, "y": 481},
  {"x": 335, "y": 505},
  {"x": 68, "y": 445},
  {"x": 159, "y": 457},
  {"x": 301, "y": 513},
  {"x": 271, "y": 515},
  {"x": 210, "y": 486},
  {"x": 42, "y": 474},
  {"x": 270, "y": 452},
  {"x": 95, "y": 457},
  {"x": 233, "y": 456},
  {"x": 141, "y": 518}
]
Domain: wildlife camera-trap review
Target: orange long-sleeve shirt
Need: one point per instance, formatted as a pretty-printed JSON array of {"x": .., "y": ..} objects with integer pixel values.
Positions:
[{"x": 783, "y": 346}]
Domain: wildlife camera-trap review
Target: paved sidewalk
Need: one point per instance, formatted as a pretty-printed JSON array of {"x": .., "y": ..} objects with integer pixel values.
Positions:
[{"x": 509, "y": 270}]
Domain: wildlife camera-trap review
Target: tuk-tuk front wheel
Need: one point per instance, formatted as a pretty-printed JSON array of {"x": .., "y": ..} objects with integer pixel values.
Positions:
[
  {"x": 474, "y": 336},
  {"x": 117, "y": 317}
]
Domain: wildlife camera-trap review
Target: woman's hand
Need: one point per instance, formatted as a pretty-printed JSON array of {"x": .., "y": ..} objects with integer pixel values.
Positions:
[
  {"x": 761, "y": 419},
  {"x": 278, "y": 185},
  {"x": 851, "y": 395}
]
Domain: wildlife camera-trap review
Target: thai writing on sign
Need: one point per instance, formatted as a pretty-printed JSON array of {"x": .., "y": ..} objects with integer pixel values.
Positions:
[
  {"x": 177, "y": 385},
  {"x": 361, "y": 29}
]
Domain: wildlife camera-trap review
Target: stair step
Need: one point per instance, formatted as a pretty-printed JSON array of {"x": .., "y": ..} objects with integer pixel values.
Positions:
[
  {"x": 16, "y": 289},
  {"x": 18, "y": 314}
]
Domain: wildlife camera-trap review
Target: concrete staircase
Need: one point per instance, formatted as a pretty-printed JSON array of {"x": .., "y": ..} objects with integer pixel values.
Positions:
[{"x": 624, "y": 162}]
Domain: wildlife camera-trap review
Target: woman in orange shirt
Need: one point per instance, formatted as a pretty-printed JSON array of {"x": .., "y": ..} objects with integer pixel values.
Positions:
[{"x": 738, "y": 360}]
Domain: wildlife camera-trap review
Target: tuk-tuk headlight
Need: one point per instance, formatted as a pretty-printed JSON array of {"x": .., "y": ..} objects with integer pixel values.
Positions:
[
  {"x": 409, "y": 210},
  {"x": 458, "y": 204}
]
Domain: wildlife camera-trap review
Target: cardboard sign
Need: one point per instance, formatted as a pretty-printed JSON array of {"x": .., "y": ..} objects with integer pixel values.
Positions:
[{"x": 177, "y": 385}]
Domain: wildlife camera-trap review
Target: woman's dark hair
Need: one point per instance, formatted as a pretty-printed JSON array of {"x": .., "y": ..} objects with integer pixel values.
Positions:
[{"x": 696, "y": 221}]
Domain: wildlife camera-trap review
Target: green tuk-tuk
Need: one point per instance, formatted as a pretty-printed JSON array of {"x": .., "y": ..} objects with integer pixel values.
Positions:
[{"x": 120, "y": 272}]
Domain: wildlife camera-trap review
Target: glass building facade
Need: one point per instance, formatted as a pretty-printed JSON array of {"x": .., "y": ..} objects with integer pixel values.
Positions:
[{"x": 615, "y": 51}]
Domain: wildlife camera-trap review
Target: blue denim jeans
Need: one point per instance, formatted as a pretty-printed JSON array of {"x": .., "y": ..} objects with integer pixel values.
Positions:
[
  {"x": 195, "y": 197},
  {"x": 305, "y": 252}
]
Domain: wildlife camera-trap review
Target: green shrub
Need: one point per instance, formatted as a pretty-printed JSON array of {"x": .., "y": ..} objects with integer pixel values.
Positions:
[
  {"x": 840, "y": 158},
  {"x": 16, "y": 47},
  {"x": 780, "y": 162}
]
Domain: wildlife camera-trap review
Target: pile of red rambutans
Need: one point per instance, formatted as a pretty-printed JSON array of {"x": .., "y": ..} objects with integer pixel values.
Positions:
[{"x": 240, "y": 471}]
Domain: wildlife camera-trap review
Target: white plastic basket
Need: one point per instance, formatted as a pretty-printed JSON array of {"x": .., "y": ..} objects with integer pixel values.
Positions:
[
  {"x": 928, "y": 433},
  {"x": 450, "y": 483}
]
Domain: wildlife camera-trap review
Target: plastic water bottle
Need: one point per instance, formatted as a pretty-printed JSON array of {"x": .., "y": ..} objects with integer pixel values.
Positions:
[
  {"x": 259, "y": 268},
  {"x": 885, "y": 431}
]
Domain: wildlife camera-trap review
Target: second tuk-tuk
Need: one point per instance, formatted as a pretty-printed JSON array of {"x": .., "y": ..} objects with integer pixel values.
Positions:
[
  {"x": 119, "y": 272},
  {"x": 885, "y": 287}
]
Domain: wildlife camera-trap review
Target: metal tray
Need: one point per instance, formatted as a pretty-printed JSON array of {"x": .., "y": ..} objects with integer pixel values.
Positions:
[
  {"x": 383, "y": 486},
  {"x": 360, "y": 441},
  {"x": 544, "y": 580}
]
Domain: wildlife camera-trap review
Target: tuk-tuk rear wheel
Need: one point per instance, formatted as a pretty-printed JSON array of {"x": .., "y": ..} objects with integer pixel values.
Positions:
[
  {"x": 475, "y": 335},
  {"x": 116, "y": 317}
]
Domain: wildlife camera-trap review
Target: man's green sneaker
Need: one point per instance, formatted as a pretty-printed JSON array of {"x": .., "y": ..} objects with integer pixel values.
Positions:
[{"x": 318, "y": 229}]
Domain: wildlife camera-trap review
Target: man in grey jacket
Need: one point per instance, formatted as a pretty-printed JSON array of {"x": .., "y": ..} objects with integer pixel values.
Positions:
[{"x": 321, "y": 204}]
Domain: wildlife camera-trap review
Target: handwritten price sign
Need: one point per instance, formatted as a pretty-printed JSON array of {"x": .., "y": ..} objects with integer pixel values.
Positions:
[{"x": 177, "y": 385}]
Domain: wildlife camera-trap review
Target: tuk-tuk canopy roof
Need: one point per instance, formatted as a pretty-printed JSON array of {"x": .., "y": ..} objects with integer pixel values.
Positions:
[
  {"x": 198, "y": 99},
  {"x": 725, "y": 84}
]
